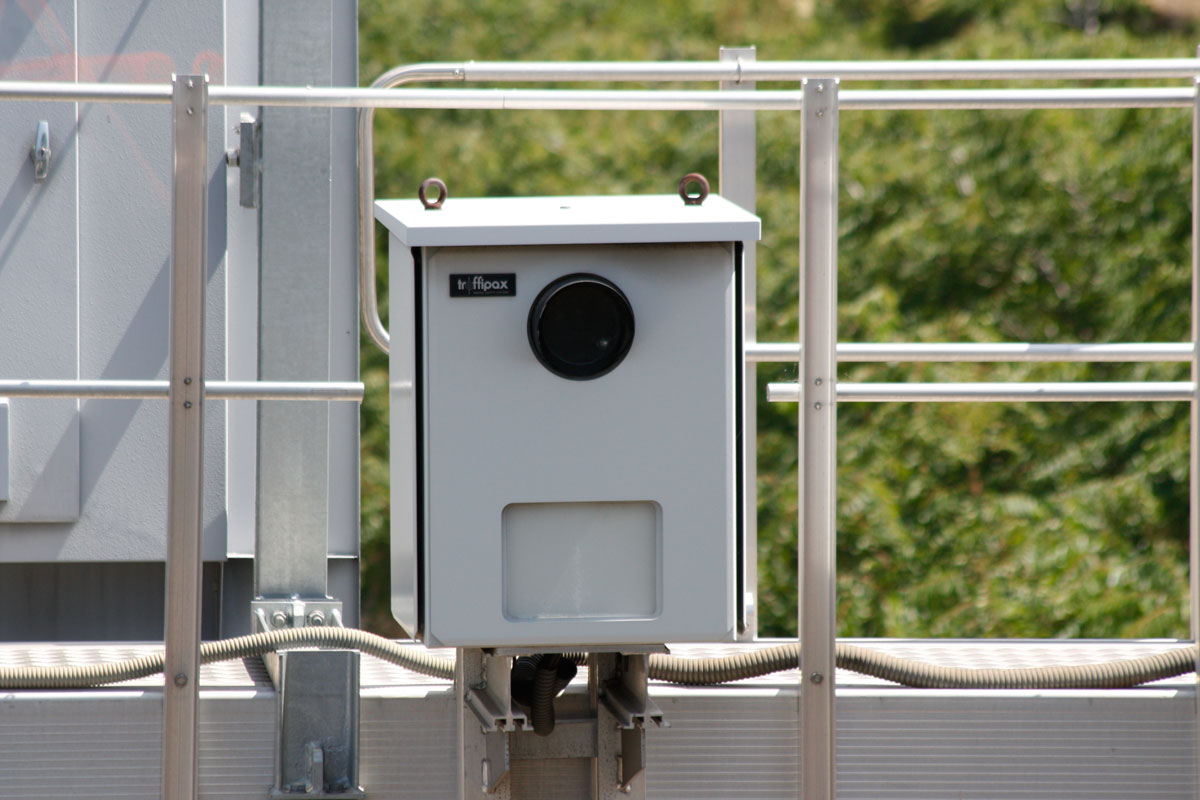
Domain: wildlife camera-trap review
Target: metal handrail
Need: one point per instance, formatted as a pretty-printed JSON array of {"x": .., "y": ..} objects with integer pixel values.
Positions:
[
  {"x": 962, "y": 352},
  {"x": 995, "y": 392},
  {"x": 329, "y": 391},
  {"x": 383, "y": 95}
]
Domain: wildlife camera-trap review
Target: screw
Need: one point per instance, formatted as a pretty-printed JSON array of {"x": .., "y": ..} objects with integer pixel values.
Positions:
[
  {"x": 819, "y": 113},
  {"x": 233, "y": 157},
  {"x": 820, "y": 88},
  {"x": 187, "y": 381},
  {"x": 187, "y": 403},
  {"x": 316, "y": 618},
  {"x": 181, "y": 679},
  {"x": 191, "y": 83},
  {"x": 816, "y": 677},
  {"x": 817, "y": 406},
  {"x": 817, "y": 382},
  {"x": 190, "y": 112},
  {"x": 279, "y": 619}
]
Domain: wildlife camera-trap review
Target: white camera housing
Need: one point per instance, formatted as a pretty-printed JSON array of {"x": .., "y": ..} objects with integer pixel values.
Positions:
[{"x": 548, "y": 489}]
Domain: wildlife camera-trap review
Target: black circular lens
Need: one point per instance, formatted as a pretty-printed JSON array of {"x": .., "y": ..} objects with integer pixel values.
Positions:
[{"x": 580, "y": 326}]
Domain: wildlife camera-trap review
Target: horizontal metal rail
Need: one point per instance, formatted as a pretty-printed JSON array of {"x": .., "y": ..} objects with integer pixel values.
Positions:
[
  {"x": 1095, "y": 391},
  {"x": 684, "y": 71},
  {"x": 909, "y": 352},
  {"x": 327, "y": 391},
  {"x": 379, "y": 97},
  {"x": 1041, "y": 69},
  {"x": 623, "y": 100}
]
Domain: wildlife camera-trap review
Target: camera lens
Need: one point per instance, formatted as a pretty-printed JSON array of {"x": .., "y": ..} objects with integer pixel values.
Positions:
[{"x": 580, "y": 326}]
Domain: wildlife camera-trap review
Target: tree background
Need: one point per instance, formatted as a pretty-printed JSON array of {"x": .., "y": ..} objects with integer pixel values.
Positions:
[{"x": 964, "y": 520}]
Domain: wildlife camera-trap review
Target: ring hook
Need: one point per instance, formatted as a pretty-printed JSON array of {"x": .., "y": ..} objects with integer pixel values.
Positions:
[
  {"x": 440, "y": 185},
  {"x": 693, "y": 199}
]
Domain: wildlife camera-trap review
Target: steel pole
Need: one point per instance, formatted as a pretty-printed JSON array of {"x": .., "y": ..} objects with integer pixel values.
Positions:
[
  {"x": 1194, "y": 411},
  {"x": 185, "y": 473},
  {"x": 737, "y": 183},
  {"x": 818, "y": 436}
]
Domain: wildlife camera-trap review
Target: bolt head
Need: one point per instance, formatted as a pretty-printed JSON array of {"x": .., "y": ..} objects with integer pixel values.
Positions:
[
  {"x": 181, "y": 679},
  {"x": 316, "y": 618},
  {"x": 816, "y": 677},
  {"x": 279, "y": 620}
]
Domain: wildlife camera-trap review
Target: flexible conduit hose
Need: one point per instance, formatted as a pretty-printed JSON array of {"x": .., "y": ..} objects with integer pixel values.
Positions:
[
  {"x": 1109, "y": 675},
  {"x": 82, "y": 676},
  {"x": 673, "y": 669},
  {"x": 545, "y": 688}
]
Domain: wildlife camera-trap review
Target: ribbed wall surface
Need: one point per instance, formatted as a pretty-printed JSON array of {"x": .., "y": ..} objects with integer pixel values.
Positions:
[
  {"x": 955, "y": 745},
  {"x": 726, "y": 743},
  {"x": 407, "y": 745},
  {"x": 109, "y": 744}
]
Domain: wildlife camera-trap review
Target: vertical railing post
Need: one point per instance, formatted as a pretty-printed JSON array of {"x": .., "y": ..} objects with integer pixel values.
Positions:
[
  {"x": 1194, "y": 415},
  {"x": 818, "y": 435},
  {"x": 185, "y": 436},
  {"x": 737, "y": 183}
]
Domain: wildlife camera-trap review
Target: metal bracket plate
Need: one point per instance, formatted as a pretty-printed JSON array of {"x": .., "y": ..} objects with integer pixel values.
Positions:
[
  {"x": 40, "y": 154},
  {"x": 249, "y": 161},
  {"x": 485, "y": 714},
  {"x": 271, "y": 615},
  {"x": 625, "y": 708}
]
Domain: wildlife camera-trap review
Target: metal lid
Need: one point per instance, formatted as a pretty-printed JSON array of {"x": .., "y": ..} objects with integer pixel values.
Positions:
[{"x": 616, "y": 219}]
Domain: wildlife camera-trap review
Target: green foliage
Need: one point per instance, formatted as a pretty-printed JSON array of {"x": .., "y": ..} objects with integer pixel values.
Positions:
[{"x": 953, "y": 519}]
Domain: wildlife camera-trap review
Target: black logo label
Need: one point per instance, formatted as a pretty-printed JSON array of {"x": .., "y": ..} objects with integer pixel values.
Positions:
[{"x": 484, "y": 284}]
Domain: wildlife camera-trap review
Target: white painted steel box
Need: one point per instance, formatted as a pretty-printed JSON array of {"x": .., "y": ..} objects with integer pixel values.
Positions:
[{"x": 565, "y": 407}]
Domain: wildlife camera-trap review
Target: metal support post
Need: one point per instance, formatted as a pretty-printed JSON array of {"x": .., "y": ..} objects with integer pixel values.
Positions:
[
  {"x": 485, "y": 718},
  {"x": 185, "y": 474},
  {"x": 1194, "y": 410},
  {"x": 318, "y": 704},
  {"x": 738, "y": 184},
  {"x": 624, "y": 711},
  {"x": 818, "y": 435}
]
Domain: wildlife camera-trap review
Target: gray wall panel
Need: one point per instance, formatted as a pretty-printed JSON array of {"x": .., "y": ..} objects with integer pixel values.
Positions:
[
  {"x": 38, "y": 288},
  {"x": 119, "y": 272},
  {"x": 125, "y": 191}
]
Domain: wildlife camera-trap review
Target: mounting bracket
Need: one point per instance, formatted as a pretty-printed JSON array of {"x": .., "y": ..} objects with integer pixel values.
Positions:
[{"x": 605, "y": 725}]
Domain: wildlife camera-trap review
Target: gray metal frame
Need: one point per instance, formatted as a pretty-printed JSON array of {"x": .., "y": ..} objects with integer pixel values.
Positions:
[
  {"x": 817, "y": 571},
  {"x": 185, "y": 449},
  {"x": 738, "y": 183},
  {"x": 818, "y": 303}
]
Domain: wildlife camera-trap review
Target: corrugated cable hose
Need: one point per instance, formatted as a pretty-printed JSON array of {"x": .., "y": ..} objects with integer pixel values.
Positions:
[{"x": 673, "y": 669}]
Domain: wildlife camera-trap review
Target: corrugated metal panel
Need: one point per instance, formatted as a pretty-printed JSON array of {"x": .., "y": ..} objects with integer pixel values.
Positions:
[
  {"x": 551, "y": 778},
  {"x": 108, "y": 743},
  {"x": 407, "y": 745},
  {"x": 1016, "y": 745},
  {"x": 727, "y": 743},
  {"x": 724, "y": 744}
]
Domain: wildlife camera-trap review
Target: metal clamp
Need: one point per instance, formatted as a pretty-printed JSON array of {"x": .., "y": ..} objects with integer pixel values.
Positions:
[
  {"x": 434, "y": 183},
  {"x": 693, "y": 199},
  {"x": 269, "y": 615},
  {"x": 40, "y": 153}
]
